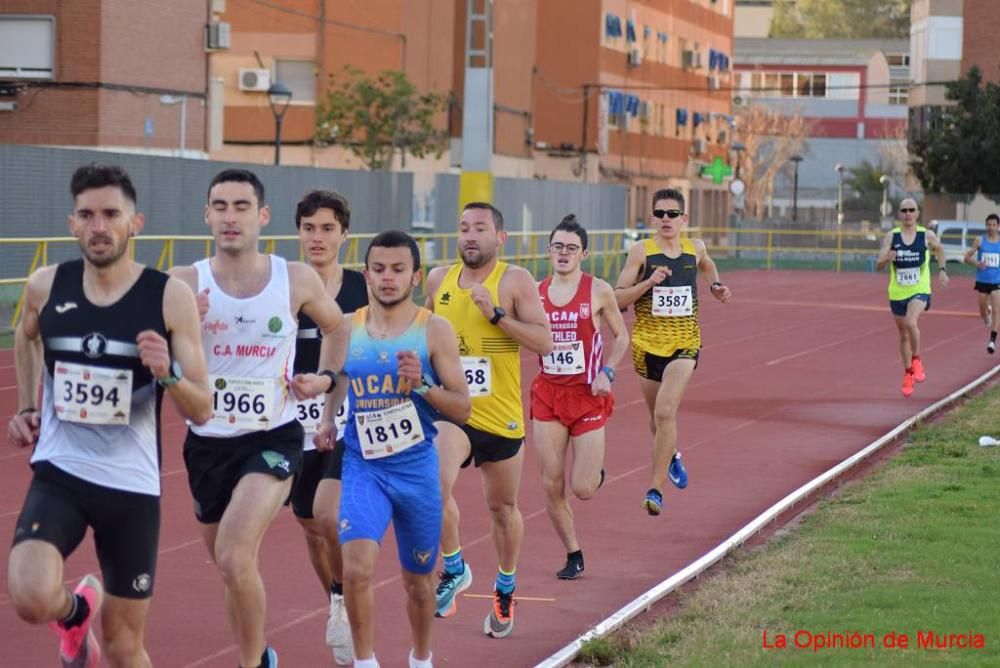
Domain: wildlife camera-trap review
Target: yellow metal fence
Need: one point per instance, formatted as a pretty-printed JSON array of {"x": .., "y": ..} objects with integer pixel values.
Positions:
[{"x": 837, "y": 250}]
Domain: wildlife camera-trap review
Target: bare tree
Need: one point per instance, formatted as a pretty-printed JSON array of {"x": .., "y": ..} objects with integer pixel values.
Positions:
[{"x": 769, "y": 139}]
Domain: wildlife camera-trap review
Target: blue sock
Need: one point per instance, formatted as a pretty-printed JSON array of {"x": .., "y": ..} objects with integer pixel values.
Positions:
[
  {"x": 506, "y": 581},
  {"x": 453, "y": 563}
]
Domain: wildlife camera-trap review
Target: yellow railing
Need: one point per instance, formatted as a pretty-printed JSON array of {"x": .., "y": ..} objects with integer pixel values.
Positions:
[{"x": 606, "y": 248}]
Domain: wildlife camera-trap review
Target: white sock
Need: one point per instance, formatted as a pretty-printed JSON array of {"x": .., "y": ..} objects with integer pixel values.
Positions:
[
  {"x": 421, "y": 663},
  {"x": 366, "y": 663}
]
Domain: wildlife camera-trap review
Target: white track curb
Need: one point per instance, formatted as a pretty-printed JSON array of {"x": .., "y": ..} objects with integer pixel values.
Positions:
[{"x": 693, "y": 570}]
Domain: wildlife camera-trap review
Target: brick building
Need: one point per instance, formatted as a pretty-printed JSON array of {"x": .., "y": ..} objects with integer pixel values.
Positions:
[{"x": 118, "y": 74}]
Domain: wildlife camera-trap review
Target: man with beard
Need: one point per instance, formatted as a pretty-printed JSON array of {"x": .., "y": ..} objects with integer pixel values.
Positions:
[
  {"x": 322, "y": 219},
  {"x": 661, "y": 278},
  {"x": 241, "y": 462},
  {"x": 494, "y": 308},
  {"x": 571, "y": 398},
  {"x": 403, "y": 372},
  {"x": 112, "y": 336}
]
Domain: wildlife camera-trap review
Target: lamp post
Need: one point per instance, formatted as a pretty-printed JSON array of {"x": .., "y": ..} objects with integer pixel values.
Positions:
[
  {"x": 839, "y": 168},
  {"x": 278, "y": 96},
  {"x": 886, "y": 211},
  {"x": 796, "y": 159}
]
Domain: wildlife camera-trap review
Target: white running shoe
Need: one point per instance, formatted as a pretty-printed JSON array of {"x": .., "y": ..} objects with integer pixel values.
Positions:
[{"x": 338, "y": 632}]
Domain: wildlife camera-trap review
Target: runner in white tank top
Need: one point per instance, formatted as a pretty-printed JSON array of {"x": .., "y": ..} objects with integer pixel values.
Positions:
[{"x": 241, "y": 464}]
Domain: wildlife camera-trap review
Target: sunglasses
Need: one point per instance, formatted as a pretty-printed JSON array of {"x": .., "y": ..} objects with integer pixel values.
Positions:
[
  {"x": 907, "y": 210},
  {"x": 669, "y": 213}
]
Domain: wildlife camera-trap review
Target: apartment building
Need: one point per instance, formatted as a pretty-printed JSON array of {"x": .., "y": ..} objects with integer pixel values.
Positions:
[{"x": 127, "y": 75}]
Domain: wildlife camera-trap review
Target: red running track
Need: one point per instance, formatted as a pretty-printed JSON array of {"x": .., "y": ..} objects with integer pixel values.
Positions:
[{"x": 800, "y": 371}]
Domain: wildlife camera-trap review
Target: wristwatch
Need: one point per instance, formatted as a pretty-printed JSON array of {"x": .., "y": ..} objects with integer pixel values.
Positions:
[
  {"x": 332, "y": 376},
  {"x": 426, "y": 383},
  {"x": 498, "y": 313},
  {"x": 174, "y": 376},
  {"x": 609, "y": 372}
]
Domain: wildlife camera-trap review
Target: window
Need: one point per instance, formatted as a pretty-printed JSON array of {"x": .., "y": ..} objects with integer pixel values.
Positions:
[
  {"x": 898, "y": 59},
  {"x": 300, "y": 77},
  {"x": 899, "y": 92},
  {"x": 843, "y": 86},
  {"x": 27, "y": 46},
  {"x": 787, "y": 85}
]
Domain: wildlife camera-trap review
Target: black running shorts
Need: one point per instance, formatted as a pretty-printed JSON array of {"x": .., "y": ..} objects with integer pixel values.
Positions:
[
  {"x": 316, "y": 466},
  {"x": 216, "y": 465},
  {"x": 58, "y": 509},
  {"x": 487, "y": 447}
]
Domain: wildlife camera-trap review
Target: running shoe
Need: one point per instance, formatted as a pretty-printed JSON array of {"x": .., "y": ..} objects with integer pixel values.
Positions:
[
  {"x": 448, "y": 590},
  {"x": 272, "y": 657},
  {"x": 653, "y": 503},
  {"x": 918, "y": 370},
  {"x": 676, "y": 472},
  {"x": 500, "y": 622},
  {"x": 907, "y": 383},
  {"x": 338, "y": 632},
  {"x": 572, "y": 570},
  {"x": 991, "y": 347},
  {"x": 78, "y": 646}
]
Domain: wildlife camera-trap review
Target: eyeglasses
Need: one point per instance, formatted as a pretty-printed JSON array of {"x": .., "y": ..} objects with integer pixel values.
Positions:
[
  {"x": 907, "y": 210},
  {"x": 669, "y": 213},
  {"x": 568, "y": 249}
]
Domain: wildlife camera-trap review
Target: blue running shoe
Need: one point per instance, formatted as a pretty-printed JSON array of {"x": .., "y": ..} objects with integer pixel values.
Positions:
[
  {"x": 653, "y": 503},
  {"x": 677, "y": 473},
  {"x": 449, "y": 588}
]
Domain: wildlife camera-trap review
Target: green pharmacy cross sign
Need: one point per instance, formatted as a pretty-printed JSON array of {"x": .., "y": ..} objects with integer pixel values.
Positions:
[{"x": 717, "y": 171}]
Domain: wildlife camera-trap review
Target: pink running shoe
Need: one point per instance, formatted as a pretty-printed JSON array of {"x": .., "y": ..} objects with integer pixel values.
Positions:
[
  {"x": 918, "y": 370},
  {"x": 78, "y": 646}
]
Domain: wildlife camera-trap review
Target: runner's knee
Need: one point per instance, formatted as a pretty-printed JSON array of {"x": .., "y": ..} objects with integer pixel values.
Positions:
[
  {"x": 123, "y": 647},
  {"x": 503, "y": 513},
  {"x": 419, "y": 590},
  {"x": 585, "y": 491},
  {"x": 32, "y": 603},
  {"x": 236, "y": 563},
  {"x": 356, "y": 573}
]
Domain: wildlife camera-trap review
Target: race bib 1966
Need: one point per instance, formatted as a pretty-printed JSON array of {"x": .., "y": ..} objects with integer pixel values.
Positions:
[
  {"x": 388, "y": 431},
  {"x": 566, "y": 359},
  {"x": 478, "y": 376},
  {"x": 92, "y": 395},
  {"x": 672, "y": 301},
  {"x": 243, "y": 403}
]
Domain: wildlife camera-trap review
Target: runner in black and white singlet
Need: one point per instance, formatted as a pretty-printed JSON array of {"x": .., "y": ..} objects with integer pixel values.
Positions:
[
  {"x": 241, "y": 462},
  {"x": 109, "y": 335},
  {"x": 322, "y": 219}
]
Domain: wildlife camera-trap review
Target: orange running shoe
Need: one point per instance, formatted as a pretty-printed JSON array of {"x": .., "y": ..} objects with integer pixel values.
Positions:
[
  {"x": 918, "y": 370},
  {"x": 500, "y": 622},
  {"x": 907, "y": 383}
]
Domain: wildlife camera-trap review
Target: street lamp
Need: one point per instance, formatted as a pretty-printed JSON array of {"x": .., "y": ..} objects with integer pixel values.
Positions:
[
  {"x": 278, "y": 96},
  {"x": 796, "y": 159},
  {"x": 839, "y": 168}
]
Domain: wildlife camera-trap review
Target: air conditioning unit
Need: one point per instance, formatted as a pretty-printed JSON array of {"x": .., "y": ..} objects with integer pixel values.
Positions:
[
  {"x": 739, "y": 100},
  {"x": 634, "y": 57},
  {"x": 698, "y": 146},
  {"x": 255, "y": 80},
  {"x": 217, "y": 35},
  {"x": 691, "y": 59}
]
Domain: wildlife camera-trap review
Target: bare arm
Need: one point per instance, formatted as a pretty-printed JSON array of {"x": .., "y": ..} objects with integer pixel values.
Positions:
[
  {"x": 191, "y": 395},
  {"x": 935, "y": 245},
  {"x": 529, "y": 325},
  {"x": 885, "y": 253},
  {"x": 311, "y": 297},
  {"x": 22, "y": 430},
  {"x": 451, "y": 397},
  {"x": 629, "y": 288},
  {"x": 971, "y": 253},
  {"x": 611, "y": 315},
  {"x": 434, "y": 278},
  {"x": 707, "y": 268}
]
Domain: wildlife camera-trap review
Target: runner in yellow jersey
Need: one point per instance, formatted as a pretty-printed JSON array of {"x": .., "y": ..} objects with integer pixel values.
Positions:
[
  {"x": 661, "y": 278},
  {"x": 494, "y": 308},
  {"x": 906, "y": 249}
]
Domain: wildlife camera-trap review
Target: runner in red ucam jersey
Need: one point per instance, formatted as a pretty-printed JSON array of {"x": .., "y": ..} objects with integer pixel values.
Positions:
[{"x": 571, "y": 397}]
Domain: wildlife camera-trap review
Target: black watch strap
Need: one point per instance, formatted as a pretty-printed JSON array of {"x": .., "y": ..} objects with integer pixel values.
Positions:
[{"x": 331, "y": 375}]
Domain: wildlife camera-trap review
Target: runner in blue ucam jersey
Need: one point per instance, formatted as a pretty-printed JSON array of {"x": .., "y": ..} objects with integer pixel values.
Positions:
[
  {"x": 404, "y": 372},
  {"x": 984, "y": 254}
]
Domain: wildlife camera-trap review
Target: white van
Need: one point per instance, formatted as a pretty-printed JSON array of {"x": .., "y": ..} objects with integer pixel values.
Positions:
[{"x": 956, "y": 236}]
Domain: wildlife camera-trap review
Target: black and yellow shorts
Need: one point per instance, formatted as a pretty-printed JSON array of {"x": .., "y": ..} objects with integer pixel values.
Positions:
[{"x": 652, "y": 366}]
